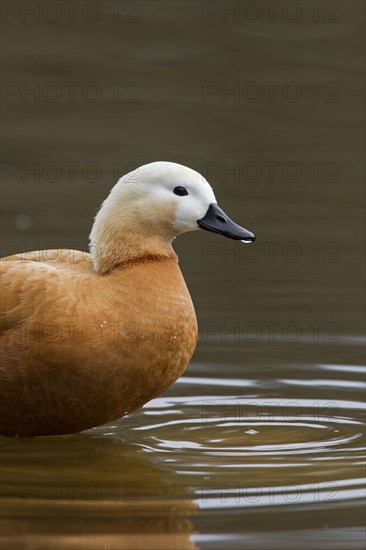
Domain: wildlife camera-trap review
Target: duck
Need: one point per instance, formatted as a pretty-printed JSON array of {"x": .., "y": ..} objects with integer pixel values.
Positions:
[{"x": 90, "y": 337}]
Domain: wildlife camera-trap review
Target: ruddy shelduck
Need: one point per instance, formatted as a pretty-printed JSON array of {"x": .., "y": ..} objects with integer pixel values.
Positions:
[{"x": 87, "y": 338}]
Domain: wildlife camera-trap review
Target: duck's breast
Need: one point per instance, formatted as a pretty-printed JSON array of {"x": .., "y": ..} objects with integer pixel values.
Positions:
[
  {"x": 155, "y": 325},
  {"x": 87, "y": 348}
]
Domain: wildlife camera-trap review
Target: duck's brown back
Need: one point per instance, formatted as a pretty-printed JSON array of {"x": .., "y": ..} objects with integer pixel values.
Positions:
[{"x": 81, "y": 349}]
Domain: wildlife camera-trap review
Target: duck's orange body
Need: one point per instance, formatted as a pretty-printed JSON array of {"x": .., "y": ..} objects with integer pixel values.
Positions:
[{"x": 80, "y": 349}]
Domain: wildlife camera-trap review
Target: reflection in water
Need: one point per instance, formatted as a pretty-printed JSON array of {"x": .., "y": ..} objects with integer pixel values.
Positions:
[{"x": 89, "y": 491}]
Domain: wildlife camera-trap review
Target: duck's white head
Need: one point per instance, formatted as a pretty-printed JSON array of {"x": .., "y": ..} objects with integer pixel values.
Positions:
[{"x": 149, "y": 207}]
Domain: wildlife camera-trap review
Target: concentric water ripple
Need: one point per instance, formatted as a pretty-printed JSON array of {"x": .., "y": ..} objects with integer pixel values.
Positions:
[{"x": 271, "y": 448}]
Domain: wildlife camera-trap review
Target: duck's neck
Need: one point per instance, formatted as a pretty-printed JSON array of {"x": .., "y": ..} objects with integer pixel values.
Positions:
[
  {"x": 124, "y": 252},
  {"x": 125, "y": 231},
  {"x": 122, "y": 244}
]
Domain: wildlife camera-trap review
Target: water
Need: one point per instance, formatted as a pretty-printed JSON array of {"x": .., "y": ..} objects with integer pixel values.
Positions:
[{"x": 260, "y": 445}]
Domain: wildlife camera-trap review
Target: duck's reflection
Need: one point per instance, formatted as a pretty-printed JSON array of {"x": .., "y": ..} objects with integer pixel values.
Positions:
[{"x": 84, "y": 492}]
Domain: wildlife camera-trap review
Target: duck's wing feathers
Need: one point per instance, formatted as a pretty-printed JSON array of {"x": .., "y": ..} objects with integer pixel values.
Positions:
[{"x": 29, "y": 280}]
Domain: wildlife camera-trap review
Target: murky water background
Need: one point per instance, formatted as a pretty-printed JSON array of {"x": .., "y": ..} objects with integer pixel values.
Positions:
[{"x": 260, "y": 445}]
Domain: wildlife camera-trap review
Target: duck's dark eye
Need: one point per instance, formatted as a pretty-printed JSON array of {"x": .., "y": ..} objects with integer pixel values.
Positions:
[{"x": 181, "y": 191}]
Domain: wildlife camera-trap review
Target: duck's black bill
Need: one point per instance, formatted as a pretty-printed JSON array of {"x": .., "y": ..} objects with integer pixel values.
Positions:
[{"x": 217, "y": 221}]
